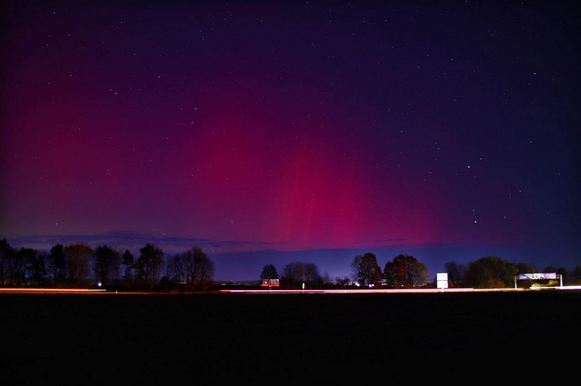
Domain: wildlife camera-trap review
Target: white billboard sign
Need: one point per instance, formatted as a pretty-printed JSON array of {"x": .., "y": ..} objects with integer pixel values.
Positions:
[
  {"x": 538, "y": 276},
  {"x": 442, "y": 280}
]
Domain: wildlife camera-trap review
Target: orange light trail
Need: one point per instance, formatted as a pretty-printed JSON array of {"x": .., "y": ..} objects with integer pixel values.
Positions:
[{"x": 52, "y": 290}]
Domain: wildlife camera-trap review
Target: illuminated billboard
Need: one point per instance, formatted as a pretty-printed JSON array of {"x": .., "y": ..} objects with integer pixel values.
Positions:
[
  {"x": 538, "y": 276},
  {"x": 270, "y": 283}
]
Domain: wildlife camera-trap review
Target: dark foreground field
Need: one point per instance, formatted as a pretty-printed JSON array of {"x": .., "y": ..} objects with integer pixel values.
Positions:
[{"x": 202, "y": 339}]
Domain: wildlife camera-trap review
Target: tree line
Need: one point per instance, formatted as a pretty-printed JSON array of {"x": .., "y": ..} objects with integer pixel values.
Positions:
[
  {"x": 405, "y": 271},
  {"x": 78, "y": 265},
  {"x": 402, "y": 271},
  {"x": 495, "y": 272}
]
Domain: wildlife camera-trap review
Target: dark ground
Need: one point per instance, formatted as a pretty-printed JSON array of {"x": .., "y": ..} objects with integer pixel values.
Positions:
[{"x": 275, "y": 339}]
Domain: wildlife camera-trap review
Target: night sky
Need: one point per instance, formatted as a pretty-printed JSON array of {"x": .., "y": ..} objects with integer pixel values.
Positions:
[{"x": 294, "y": 131}]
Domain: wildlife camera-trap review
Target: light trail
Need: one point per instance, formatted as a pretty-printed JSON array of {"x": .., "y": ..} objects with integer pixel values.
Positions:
[
  {"x": 87, "y": 291},
  {"x": 563, "y": 288},
  {"x": 374, "y": 291},
  {"x": 48, "y": 291}
]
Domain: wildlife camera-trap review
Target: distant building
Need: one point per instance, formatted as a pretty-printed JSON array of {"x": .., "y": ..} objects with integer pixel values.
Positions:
[{"x": 270, "y": 283}]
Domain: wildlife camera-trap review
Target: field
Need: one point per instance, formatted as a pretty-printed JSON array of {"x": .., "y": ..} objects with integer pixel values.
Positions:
[{"x": 203, "y": 339}]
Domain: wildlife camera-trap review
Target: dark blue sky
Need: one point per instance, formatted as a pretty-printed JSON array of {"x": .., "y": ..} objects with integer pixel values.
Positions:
[{"x": 294, "y": 131}]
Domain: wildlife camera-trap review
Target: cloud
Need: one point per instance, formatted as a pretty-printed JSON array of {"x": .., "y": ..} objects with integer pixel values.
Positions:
[{"x": 132, "y": 239}]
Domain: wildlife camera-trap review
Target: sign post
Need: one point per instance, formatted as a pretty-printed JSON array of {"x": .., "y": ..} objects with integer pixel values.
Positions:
[{"x": 442, "y": 280}]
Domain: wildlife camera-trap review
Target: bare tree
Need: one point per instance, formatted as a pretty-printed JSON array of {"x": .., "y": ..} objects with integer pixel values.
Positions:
[
  {"x": 296, "y": 273},
  {"x": 193, "y": 267},
  {"x": 106, "y": 266},
  {"x": 77, "y": 257},
  {"x": 7, "y": 262},
  {"x": 34, "y": 265},
  {"x": 56, "y": 263}
]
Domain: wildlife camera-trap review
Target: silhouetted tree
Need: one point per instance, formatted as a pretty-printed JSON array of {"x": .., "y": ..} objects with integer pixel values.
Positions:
[
  {"x": 128, "y": 262},
  {"x": 366, "y": 270},
  {"x": 491, "y": 272},
  {"x": 456, "y": 273},
  {"x": 106, "y": 266},
  {"x": 269, "y": 272},
  {"x": 149, "y": 264},
  {"x": 165, "y": 284},
  {"x": 16, "y": 267},
  {"x": 312, "y": 275},
  {"x": 7, "y": 256},
  {"x": 203, "y": 268},
  {"x": 526, "y": 268},
  {"x": 296, "y": 273},
  {"x": 77, "y": 257},
  {"x": 559, "y": 270},
  {"x": 576, "y": 274},
  {"x": 177, "y": 269},
  {"x": 193, "y": 267},
  {"x": 56, "y": 263},
  {"x": 568, "y": 276},
  {"x": 405, "y": 271},
  {"x": 34, "y": 268}
]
